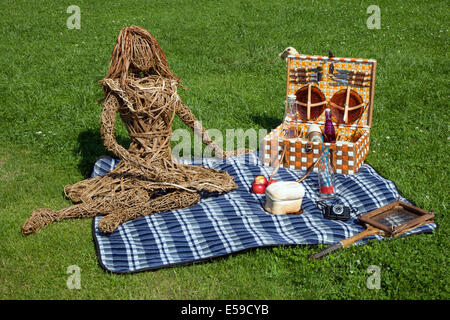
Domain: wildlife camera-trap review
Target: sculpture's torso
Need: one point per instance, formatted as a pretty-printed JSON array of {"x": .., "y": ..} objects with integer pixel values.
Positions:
[{"x": 148, "y": 112}]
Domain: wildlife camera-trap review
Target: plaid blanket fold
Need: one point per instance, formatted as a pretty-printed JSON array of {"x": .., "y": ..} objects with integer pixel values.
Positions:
[{"x": 236, "y": 221}]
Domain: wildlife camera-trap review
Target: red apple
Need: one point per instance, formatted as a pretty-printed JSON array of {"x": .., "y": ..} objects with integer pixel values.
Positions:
[
  {"x": 270, "y": 182},
  {"x": 260, "y": 180},
  {"x": 258, "y": 188}
]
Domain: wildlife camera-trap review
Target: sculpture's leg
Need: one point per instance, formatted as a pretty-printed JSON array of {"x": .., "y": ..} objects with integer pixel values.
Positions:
[
  {"x": 86, "y": 190},
  {"x": 210, "y": 180},
  {"x": 42, "y": 217},
  {"x": 80, "y": 191},
  {"x": 128, "y": 211}
]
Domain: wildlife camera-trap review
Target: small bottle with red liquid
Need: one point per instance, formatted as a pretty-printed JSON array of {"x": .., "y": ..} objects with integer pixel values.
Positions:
[
  {"x": 329, "y": 133},
  {"x": 327, "y": 187}
]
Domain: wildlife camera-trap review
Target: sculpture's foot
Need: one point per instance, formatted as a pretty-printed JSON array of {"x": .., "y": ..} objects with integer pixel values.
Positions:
[
  {"x": 109, "y": 223},
  {"x": 38, "y": 220}
]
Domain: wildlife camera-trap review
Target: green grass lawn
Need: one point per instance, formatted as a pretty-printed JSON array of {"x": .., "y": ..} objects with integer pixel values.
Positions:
[{"x": 226, "y": 53}]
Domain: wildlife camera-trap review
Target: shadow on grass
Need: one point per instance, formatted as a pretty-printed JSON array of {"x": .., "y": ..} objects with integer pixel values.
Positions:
[
  {"x": 268, "y": 123},
  {"x": 91, "y": 147}
]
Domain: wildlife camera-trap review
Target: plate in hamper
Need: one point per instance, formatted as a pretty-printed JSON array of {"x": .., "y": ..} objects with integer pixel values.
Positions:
[
  {"x": 310, "y": 102},
  {"x": 347, "y": 106}
]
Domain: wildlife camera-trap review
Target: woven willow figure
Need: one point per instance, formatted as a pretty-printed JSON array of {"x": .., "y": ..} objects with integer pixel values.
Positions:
[{"x": 140, "y": 86}]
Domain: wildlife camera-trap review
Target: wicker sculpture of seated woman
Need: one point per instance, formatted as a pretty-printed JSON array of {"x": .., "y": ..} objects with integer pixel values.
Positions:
[{"x": 139, "y": 86}]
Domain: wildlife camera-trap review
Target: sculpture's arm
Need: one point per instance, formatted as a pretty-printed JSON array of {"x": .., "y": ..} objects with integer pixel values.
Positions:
[
  {"x": 108, "y": 120},
  {"x": 186, "y": 115}
]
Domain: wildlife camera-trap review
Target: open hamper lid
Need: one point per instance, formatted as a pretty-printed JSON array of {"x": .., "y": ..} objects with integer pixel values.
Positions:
[{"x": 344, "y": 85}]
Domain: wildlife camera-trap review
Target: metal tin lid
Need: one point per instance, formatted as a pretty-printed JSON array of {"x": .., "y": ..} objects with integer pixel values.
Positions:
[{"x": 285, "y": 190}]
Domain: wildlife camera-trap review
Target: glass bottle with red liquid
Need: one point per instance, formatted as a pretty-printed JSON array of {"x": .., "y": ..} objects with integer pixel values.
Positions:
[
  {"x": 327, "y": 187},
  {"x": 329, "y": 133}
]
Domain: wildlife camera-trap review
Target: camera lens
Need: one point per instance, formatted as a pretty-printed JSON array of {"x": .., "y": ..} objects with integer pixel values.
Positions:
[{"x": 338, "y": 209}]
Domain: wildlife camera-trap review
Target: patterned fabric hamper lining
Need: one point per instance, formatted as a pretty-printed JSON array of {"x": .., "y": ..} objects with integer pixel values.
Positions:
[
  {"x": 328, "y": 87},
  {"x": 234, "y": 222}
]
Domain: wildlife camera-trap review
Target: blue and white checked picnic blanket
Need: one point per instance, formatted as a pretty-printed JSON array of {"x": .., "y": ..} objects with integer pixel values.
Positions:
[{"x": 236, "y": 221}]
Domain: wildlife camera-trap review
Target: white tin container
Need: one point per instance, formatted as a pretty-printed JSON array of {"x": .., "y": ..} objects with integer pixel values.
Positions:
[{"x": 284, "y": 197}]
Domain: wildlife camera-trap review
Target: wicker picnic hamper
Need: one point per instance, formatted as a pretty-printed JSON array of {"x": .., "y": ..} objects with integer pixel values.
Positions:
[{"x": 345, "y": 86}]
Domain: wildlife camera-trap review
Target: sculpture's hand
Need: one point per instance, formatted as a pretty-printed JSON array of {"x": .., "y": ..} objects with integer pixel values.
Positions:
[{"x": 234, "y": 153}]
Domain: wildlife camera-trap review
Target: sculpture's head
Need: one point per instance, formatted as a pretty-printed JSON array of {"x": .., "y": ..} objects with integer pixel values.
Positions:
[{"x": 137, "y": 52}]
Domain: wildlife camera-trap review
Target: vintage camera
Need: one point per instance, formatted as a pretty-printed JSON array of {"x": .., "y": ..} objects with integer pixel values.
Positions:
[{"x": 335, "y": 211}]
